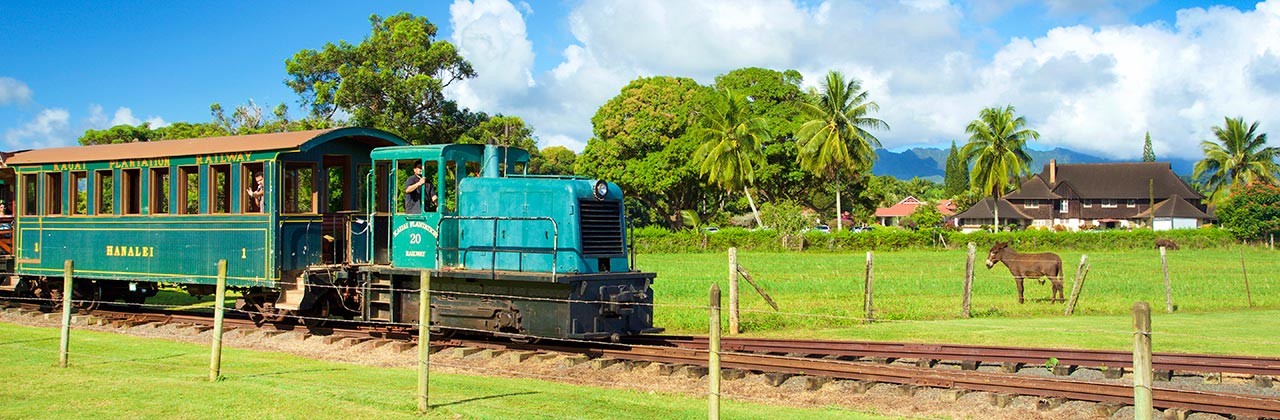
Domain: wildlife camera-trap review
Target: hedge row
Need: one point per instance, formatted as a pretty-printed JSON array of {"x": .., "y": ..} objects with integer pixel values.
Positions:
[{"x": 658, "y": 240}]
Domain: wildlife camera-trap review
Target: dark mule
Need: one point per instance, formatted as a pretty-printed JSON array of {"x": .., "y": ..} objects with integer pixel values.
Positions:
[{"x": 1029, "y": 266}]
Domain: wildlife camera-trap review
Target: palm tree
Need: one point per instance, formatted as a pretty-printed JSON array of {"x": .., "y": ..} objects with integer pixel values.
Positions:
[
  {"x": 731, "y": 145},
  {"x": 835, "y": 142},
  {"x": 996, "y": 149},
  {"x": 1241, "y": 159}
]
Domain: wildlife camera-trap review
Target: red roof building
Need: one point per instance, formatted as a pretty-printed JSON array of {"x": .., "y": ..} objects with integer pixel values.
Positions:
[{"x": 893, "y": 215}]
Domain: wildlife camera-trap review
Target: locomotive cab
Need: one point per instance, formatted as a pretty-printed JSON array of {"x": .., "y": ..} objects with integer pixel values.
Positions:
[{"x": 508, "y": 252}]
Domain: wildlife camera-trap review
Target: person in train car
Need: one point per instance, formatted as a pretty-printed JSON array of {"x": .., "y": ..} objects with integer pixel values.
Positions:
[
  {"x": 414, "y": 187},
  {"x": 256, "y": 192}
]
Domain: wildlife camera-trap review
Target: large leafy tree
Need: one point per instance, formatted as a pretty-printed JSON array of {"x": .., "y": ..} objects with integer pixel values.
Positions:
[
  {"x": 997, "y": 151},
  {"x": 394, "y": 80},
  {"x": 642, "y": 142},
  {"x": 835, "y": 142},
  {"x": 505, "y": 131},
  {"x": 556, "y": 160},
  {"x": 775, "y": 96},
  {"x": 956, "y": 180},
  {"x": 1239, "y": 157},
  {"x": 731, "y": 138}
]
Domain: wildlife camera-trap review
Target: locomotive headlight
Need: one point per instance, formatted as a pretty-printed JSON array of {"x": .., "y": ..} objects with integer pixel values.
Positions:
[{"x": 601, "y": 189}]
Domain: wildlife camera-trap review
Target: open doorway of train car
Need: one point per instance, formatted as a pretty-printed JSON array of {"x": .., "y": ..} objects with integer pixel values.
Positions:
[
  {"x": 337, "y": 209},
  {"x": 382, "y": 178}
]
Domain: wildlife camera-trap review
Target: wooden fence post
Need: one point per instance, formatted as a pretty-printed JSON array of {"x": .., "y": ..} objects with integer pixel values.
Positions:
[
  {"x": 713, "y": 356},
  {"x": 1142, "y": 361},
  {"x": 64, "y": 343},
  {"x": 1081, "y": 272},
  {"x": 219, "y": 299},
  {"x": 868, "y": 301},
  {"x": 424, "y": 340},
  {"x": 1168, "y": 288},
  {"x": 1247, "y": 293},
  {"x": 968, "y": 281},
  {"x": 733, "y": 291}
]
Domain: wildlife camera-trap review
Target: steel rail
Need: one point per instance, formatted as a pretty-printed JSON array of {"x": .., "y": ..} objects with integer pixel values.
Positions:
[
  {"x": 731, "y": 357},
  {"x": 1186, "y": 362},
  {"x": 1105, "y": 392}
]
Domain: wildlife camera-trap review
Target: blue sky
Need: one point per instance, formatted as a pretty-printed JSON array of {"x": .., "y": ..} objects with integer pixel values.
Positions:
[{"x": 1084, "y": 72}]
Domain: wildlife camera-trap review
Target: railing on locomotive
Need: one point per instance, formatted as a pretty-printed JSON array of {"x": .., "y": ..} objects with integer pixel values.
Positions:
[{"x": 493, "y": 249}]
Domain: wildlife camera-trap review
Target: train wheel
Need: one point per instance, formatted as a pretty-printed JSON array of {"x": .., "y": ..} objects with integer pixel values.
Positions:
[
  {"x": 88, "y": 294},
  {"x": 314, "y": 317},
  {"x": 255, "y": 307}
]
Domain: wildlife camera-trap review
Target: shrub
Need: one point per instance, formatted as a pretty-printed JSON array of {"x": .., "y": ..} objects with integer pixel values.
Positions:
[
  {"x": 659, "y": 240},
  {"x": 1252, "y": 212}
]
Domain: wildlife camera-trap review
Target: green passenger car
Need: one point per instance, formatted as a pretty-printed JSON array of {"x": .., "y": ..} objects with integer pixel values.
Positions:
[
  {"x": 327, "y": 232},
  {"x": 143, "y": 213}
]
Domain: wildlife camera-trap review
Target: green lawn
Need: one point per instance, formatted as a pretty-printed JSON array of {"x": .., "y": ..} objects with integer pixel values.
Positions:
[
  {"x": 821, "y": 294},
  {"x": 116, "y": 376}
]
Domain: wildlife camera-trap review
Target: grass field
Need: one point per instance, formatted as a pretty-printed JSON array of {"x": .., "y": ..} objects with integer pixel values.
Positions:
[
  {"x": 821, "y": 294},
  {"x": 117, "y": 376}
]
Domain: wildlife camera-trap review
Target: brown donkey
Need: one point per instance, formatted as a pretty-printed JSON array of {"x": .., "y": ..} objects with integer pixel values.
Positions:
[{"x": 1029, "y": 266}]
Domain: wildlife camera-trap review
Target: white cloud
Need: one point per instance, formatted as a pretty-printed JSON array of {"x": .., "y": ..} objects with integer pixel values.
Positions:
[
  {"x": 51, "y": 128},
  {"x": 13, "y": 91},
  {"x": 491, "y": 35},
  {"x": 123, "y": 115},
  {"x": 1096, "y": 89}
]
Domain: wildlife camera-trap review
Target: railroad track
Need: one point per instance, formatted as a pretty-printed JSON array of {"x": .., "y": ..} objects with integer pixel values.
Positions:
[
  {"x": 1182, "y": 362},
  {"x": 1103, "y": 392},
  {"x": 762, "y": 355}
]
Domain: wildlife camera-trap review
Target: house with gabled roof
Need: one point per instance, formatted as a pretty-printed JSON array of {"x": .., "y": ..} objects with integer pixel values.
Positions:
[
  {"x": 892, "y": 215},
  {"x": 1105, "y": 195}
]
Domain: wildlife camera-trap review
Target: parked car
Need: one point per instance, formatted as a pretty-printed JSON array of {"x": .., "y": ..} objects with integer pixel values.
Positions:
[{"x": 818, "y": 228}]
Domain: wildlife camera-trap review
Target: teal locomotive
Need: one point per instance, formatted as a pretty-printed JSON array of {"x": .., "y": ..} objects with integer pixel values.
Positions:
[{"x": 328, "y": 224}]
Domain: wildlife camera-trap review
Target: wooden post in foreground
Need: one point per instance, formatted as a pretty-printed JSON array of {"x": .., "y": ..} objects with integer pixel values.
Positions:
[
  {"x": 219, "y": 299},
  {"x": 1142, "y": 360},
  {"x": 1247, "y": 293},
  {"x": 968, "y": 282},
  {"x": 1168, "y": 288},
  {"x": 868, "y": 301},
  {"x": 1081, "y": 272},
  {"x": 713, "y": 356},
  {"x": 733, "y": 291},
  {"x": 424, "y": 339},
  {"x": 65, "y": 343}
]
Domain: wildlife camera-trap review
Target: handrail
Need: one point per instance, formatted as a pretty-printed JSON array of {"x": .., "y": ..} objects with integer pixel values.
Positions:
[{"x": 493, "y": 248}]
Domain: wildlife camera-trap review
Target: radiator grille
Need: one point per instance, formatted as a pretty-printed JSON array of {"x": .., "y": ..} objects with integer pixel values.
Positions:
[{"x": 601, "y": 223}]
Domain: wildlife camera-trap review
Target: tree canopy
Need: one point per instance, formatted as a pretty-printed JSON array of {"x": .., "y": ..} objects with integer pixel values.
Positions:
[
  {"x": 642, "y": 142},
  {"x": 1240, "y": 156},
  {"x": 731, "y": 139},
  {"x": 1252, "y": 211},
  {"x": 394, "y": 80},
  {"x": 997, "y": 149},
  {"x": 835, "y": 142},
  {"x": 556, "y": 160},
  {"x": 956, "y": 179}
]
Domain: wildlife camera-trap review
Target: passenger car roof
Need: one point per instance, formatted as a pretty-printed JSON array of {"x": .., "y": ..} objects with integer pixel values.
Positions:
[{"x": 296, "y": 140}]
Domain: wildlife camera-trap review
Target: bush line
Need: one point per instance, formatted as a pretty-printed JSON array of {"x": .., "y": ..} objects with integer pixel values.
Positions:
[{"x": 659, "y": 240}]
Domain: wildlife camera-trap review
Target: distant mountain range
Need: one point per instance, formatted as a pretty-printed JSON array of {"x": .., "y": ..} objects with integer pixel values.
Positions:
[{"x": 931, "y": 163}]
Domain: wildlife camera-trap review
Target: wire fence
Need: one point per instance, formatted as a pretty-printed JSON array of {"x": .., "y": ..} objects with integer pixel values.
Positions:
[{"x": 275, "y": 316}]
